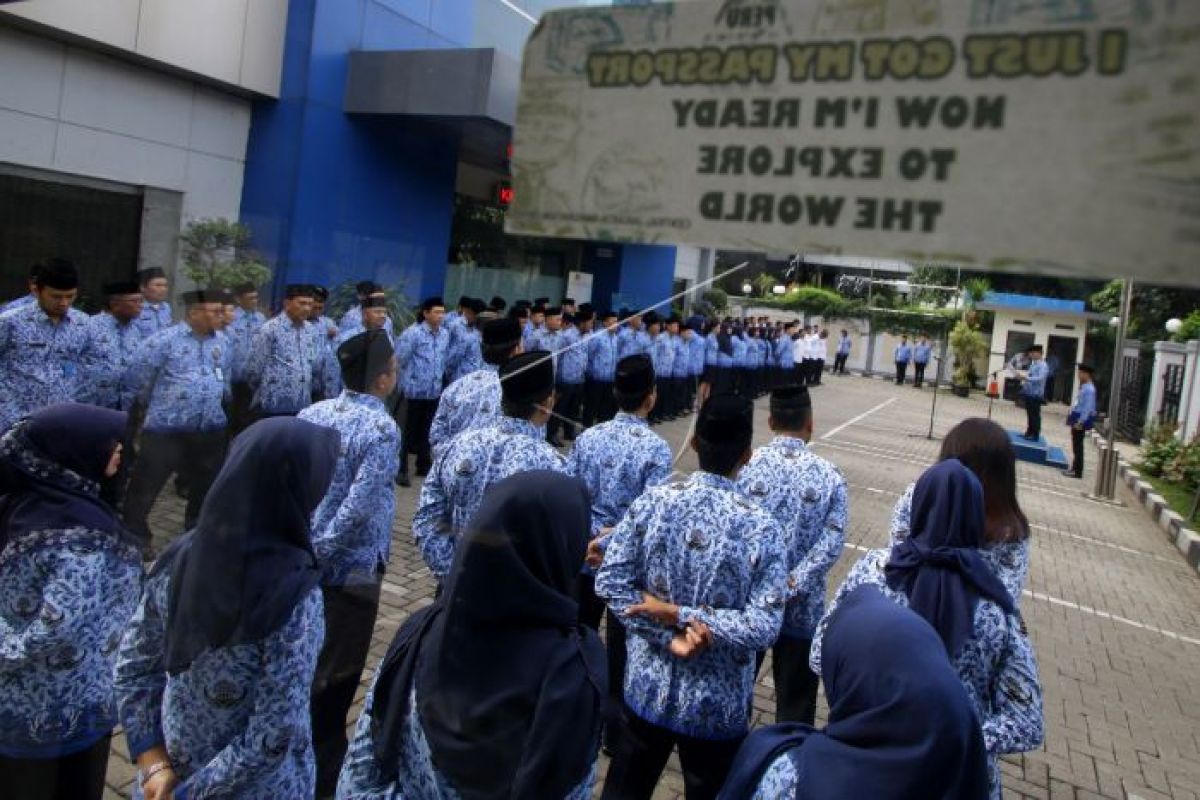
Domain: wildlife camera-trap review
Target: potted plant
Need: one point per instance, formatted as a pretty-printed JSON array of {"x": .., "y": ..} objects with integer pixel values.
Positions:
[
  {"x": 217, "y": 255},
  {"x": 967, "y": 344}
]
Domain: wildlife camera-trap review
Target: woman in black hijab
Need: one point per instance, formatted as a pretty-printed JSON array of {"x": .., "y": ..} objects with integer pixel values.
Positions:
[
  {"x": 900, "y": 724},
  {"x": 70, "y": 575},
  {"x": 494, "y": 691},
  {"x": 215, "y": 672}
]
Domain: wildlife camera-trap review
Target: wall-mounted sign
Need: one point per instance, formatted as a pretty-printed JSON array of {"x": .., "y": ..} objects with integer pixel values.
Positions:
[{"x": 1036, "y": 136}]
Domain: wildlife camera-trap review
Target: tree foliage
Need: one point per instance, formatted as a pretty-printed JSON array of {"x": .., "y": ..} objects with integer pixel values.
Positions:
[
  {"x": 928, "y": 275},
  {"x": 217, "y": 255},
  {"x": 1152, "y": 307},
  {"x": 967, "y": 344},
  {"x": 344, "y": 296},
  {"x": 1190, "y": 329}
]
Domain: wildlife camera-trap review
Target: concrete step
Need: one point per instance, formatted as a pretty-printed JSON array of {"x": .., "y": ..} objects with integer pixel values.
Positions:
[{"x": 1039, "y": 452}]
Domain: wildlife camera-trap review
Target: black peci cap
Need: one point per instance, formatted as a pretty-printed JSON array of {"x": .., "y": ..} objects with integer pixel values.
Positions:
[
  {"x": 475, "y": 305},
  {"x": 634, "y": 375},
  {"x": 201, "y": 296},
  {"x": 500, "y": 332},
  {"x": 298, "y": 290},
  {"x": 584, "y": 315},
  {"x": 122, "y": 287},
  {"x": 792, "y": 397},
  {"x": 375, "y": 301},
  {"x": 431, "y": 303},
  {"x": 361, "y": 357},
  {"x": 1088, "y": 368},
  {"x": 726, "y": 419},
  {"x": 527, "y": 378}
]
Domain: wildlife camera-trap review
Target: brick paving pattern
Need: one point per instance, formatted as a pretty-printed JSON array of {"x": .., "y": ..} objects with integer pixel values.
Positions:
[{"x": 1112, "y": 608}]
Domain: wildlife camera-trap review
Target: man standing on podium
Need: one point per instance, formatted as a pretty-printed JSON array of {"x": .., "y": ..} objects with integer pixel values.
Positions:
[{"x": 1033, "y": 392}]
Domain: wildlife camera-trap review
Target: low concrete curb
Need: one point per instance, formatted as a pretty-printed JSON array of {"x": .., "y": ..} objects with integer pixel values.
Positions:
[{"x": 1186, "y": 540}]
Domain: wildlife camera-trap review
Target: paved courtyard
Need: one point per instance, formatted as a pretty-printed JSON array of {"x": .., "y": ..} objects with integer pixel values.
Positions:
[{"x": 1113, "y": 610}]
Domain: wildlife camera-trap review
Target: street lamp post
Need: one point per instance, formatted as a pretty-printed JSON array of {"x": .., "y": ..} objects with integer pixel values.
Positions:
[{"x": 1106, "y": 475}]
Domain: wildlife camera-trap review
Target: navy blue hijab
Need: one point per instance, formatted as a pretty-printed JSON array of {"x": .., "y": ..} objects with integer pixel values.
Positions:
[
  {"x": 939, "y": 566},
  {"x": 901, "y": 726},
  {"x": 51, "y": 469},
  {"x": 510, "y": 688},
  {"x": 239, "y": 574}
]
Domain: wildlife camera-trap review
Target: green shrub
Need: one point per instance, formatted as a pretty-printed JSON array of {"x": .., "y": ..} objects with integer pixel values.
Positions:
[
  {"x": 344, "y": 296},
  {"x": 1159, "y": 449},
  {"x": 967, "y": 345},
  {"x": 1184, "y": 468},
  {"x": 716, "y": 298},
  {"x": 1190, "y": 329},
  {"x": 217, "y": 255}
]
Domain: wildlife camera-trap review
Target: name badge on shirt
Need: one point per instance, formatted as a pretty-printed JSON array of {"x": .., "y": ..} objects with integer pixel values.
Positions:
[{"x": 220, "y": 374}]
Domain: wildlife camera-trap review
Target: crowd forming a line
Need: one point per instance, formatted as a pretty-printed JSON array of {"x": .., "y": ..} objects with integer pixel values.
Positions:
[{"x": 231, "y": 660}]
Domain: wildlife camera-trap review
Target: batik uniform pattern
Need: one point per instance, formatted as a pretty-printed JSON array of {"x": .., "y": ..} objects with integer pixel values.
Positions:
[
  {"x": 416, "y": 777},
  {"x": 327, "y": 373},
  {"x": 236, "y": 723},
  {"x": 241, "y": 336},
  {"x": 66, "y": 595},
  {"x": 155, "y": 318},
  {"x": 118, "y": 344},
  {"x": 697, "y": 348},
  {"x": 468, "y": 465},
  {"x": 472, "y": 401},
  {"x": 421, "y": 353},
  {"x": 997, "y": 668},
  {"x": 780, "y": 780},
  {"x": 41, "y": 363},
  {"x": 1008, "y": 560},
  {"x": 701, "y": 545},
  {"x": 602, "y": 354},
  {"x": 183, "y": 379},
  {"x": 572, "y": 359},
  {"x": 618, "y": 460},
  {"x": 807, "y": 497},
  {"x": 352, "y": 527},
  {"x": 680, "y": 358},
  {"x": 283, "y": 366},
  {"x": 463, "y": 354},
  {"x": 662, "y": 355}
]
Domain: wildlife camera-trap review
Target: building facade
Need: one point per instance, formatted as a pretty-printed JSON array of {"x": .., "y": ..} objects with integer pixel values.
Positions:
[{"x": 357, "y": 139}]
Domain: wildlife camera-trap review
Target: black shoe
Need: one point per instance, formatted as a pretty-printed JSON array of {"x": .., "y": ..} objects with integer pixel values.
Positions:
[
  {"x": 1070, "y": 473},
  {"x": 1029, "y": 438},
  {"x": 402, "y": 480}
]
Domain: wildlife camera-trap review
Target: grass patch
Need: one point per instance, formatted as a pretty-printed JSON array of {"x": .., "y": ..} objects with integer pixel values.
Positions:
[{"x": 1178, "y": 498}]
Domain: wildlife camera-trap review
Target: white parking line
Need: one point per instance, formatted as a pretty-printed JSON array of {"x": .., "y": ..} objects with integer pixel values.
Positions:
[
  {"x": 859, "y": 418},
  {"x": 1058, "y": 601}
]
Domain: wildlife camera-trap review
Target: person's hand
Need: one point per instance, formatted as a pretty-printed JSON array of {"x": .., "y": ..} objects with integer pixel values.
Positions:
[
  {"x": 595, "y": 553},
  {"x": 331, "y": 331},
  {"x": 161, "y": 786},
  {"x": 691, "y": 640},
  {"x": 653, "y": 608}
]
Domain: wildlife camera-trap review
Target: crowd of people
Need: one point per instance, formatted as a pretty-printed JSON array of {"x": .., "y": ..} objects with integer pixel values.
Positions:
[{"x": 231, "y": 658}]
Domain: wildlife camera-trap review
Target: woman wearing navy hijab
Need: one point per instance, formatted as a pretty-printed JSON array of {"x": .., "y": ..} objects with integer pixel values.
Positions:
[
  {"x": 904, "y": 732},
  {"x": 940, "y": 572},
  {"x": 70, "y": 576},
  {"x": 495, "y": 691},
  {"x": 215, "y": 671}
]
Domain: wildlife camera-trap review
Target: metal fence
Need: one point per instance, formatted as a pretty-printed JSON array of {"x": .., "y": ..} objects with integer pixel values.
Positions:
[
  {"x": 1131, "y": 415},
  {"x": 1172, "y": 394}
]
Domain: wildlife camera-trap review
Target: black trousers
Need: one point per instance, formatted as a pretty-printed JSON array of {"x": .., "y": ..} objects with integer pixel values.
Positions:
[
  {"x": 349, "y": 622},
  {"x": 642, "y": 752},
  {"x": 196, "y": 457},
  {"x": 569, "y": 404},
  {"x": 795, "y": 683},
  {"x": 919, "y": 369},
  {"x": 614, "y": 641},
  {"x": 599, "y": 403},
  {"x": 901, "y": 369},
  {"x": 1033, "y": 417},
  {"x": 818, "y": 370},
  {"x": 1077, "y": 437},
  {"x": 239, "y": 408},
  {"x": 839, "y": 363},
  {"x": 417, "y": 420},
  {"x": 79, "y": 776}
]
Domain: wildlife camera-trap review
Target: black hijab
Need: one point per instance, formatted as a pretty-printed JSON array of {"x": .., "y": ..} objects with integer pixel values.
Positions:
[
  {"x": 239, "y": 574},
  {"x": 510, "y": 688},
  {"x": 51, "y": 468},
  {"x": 939, "y": 566},
  {"x": 725, "y": 341},
  {"x": 901, "y": 726}
]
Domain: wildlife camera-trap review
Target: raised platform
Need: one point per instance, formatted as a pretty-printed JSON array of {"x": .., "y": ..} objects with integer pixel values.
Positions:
[{"x": 1039, "y": 452}]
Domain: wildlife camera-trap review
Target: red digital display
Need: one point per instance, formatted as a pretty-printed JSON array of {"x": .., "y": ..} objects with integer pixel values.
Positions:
[{"x": 504, "y": 194}]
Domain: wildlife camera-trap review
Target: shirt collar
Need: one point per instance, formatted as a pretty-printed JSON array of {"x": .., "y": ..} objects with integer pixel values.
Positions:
[
  {"x": 522, "y": 426},
  {"x": 631, "y": 419},
  {"x": 363, "y": 399},
  {"x": 702, "y": 478},
  {"x": 789, "y": 443}
]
